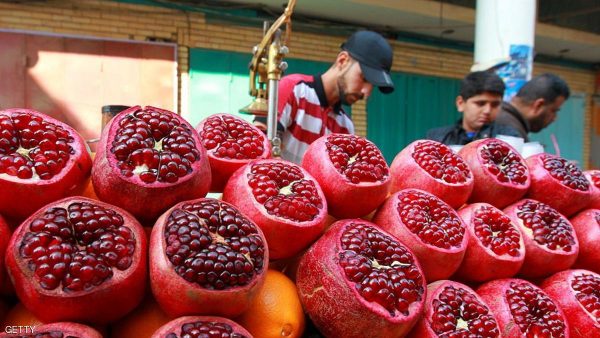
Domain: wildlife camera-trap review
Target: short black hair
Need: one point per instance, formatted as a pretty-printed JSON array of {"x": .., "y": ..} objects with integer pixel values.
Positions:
[
  {"x": 476, "y": 83},
  {"x": 546, "y": 86}
]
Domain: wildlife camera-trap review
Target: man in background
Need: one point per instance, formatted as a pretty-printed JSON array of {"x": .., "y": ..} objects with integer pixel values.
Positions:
[
  {"x": 535, "y": 106},
  {"x": 479, "y": 102}
]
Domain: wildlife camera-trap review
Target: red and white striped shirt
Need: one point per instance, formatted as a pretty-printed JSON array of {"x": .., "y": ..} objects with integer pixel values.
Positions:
[{"x": 304, "y": 115}]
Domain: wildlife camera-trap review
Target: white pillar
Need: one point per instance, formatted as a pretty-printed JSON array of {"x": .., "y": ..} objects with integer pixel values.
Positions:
[{"x": 504, "y": 40}]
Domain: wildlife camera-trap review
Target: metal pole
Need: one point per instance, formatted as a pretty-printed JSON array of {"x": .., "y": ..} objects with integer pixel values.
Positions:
[{"x": 272, "y": 118}]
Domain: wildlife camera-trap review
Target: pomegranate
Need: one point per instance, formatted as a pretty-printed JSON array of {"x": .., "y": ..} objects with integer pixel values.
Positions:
[
  {"x": 283, "y": 199},
  {"x": 454, "y": 310},
  {"x": 199, "y": 326},
  {"x": 550, "y": 241},
  {"x": 54, "y": 330},
  {"x": 500, "y": 174},
  {"x": 558, "y": 183},
  {"x": 147, "y": 160},
  {"x": 359, "y": 281},
  {"x": 587, "y": 228},
  {"x": 495, "y": 249},
  {"x": 523, "y": 310},
  {"x": 577, "y": 292},
  {"x": 207, "y": 258},
  {"x": 429, "y": 227},
  {"x": 75, "y": 258},
  {"x": 593, "y": 177},
  {"x": 230, "y": 142},
  {"x": 351, "y": 171},
  {"x": 41, "y": 160},
  {"x": 433, "y": 167},
  {"x": 4, "y": 238}
]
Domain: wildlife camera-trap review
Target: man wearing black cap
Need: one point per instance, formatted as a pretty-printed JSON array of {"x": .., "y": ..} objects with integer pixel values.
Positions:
[{"x": 310, "y": 106}]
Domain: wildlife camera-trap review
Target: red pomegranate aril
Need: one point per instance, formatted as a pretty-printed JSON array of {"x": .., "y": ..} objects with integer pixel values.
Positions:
[
  {"x": 495, "y": 250},
  {"x": 500, "y": 174},
  {"x": 359, "y": 281},
  {"x": 207, "y": 258},
  {"x": 231, "y": 143},
  {"x": 523, "y": 310},
  {"x": 283, "y": 199},
  {"x": 74, "y": 258},
  {"x": 149, "y": 159},
  {"x": 593, "y": 177},
  {"x": 199, "y": 326},
  {"x": 434, "y": 168},
  {"x": 454, "y": 310},
  {"x": 351, "y": 171},
  {"x": 429, "y": 227},
  {"x": 550, "y": 242},
  {"x": 41, "y": 160},
  {"x": 558, "y": 183},
  {"x": 587, "y": 228}
]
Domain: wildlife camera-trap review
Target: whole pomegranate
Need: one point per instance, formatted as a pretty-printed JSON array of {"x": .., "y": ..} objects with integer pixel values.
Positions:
[
  {"x": 433, "y": 167},
  {"x": 558, "y": 183},
  {"x": 577, "y": 292},
  {"x": 500, "y": 174},
  {"x": 200, "y": 326},
  {"x": 359, "y": 281},
  {"x": 75, "y": 258},
  {"x": 587, "y": 228},
  {"x": 550, "y": 242},
  {"x": 454, "y": 310},
  {"x": 351, "y": 171},
  {"x": 230, "y": 143},
  {"x": 206, "y": 258},
  {"x": 429, "y": 227},
  {"x": 41, "y": 160},
  {"x": 523, "y": 310},
  {"x": 495, "y": 250},
  {"x": 147, "y": 160},
  {"x": 593, "y": 177},
  {"x": 4, "y": 238},
  {"x": 283, "y": 199},
  {"x": 54, "y": 330}
]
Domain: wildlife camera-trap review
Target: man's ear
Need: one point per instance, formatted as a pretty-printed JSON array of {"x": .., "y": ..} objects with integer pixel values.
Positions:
[
  {"x": 342, "y": 59},
  {"x": 536, "y": 106},
  {"x": 460, "y": 103}
]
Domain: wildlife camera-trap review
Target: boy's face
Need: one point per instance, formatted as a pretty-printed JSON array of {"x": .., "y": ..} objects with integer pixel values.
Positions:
[{"x": 479, "y": 110}]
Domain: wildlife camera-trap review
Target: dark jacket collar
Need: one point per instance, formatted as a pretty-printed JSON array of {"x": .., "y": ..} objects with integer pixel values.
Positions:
[
  {"x": 320, "y": 90},
  {"x": 512, "y": 110}
]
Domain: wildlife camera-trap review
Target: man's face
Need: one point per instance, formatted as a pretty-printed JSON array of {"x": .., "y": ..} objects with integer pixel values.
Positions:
[
  {"x": 479, "y": 110},
  {"x": 547, "y": 115},
  {"x": 352, "y": 85}
]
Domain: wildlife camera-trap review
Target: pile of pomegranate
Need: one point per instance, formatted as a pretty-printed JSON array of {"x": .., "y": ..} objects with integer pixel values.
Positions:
[{"x": 479, "y": 243}]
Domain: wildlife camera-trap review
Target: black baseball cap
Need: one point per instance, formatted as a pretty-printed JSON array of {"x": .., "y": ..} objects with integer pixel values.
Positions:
[{"x": 374, "y": 54}]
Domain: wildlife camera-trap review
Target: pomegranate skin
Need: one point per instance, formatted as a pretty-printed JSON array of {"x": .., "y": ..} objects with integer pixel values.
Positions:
[
  {"x": 437, "y": 263},
  {"x": 285, "y": 237},
  {"x": 333, "y": 302},
  {"x": 541, "y": 261},
  {"x": 593, "y": 176},
  {"x": 455, "y": 194},
  {"x": 345, "y": 199},
  {"x": 179, "y": 297},
  {"x": 21, "y": 197},
  {"x": 67, "y": 329},
  {"x": 547, "y": 189},
  {"x": 223, "y": 168},
  {"x": 587, "y": 228},
  {"x": 559, "y": 287},
  {"x": 423, "y": 328},
  {"x": 5, "y": 235},
  {"x": 487, "y": 187},
  {"x": 175, "y": 326},
  {"x": 146, "y": 201},
  {"x": 97, "y": 305},
  {"x": 481, "y": 263},
  {"x": 494, "y": 294}
]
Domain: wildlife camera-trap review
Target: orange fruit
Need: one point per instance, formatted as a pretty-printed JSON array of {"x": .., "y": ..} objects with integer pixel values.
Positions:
[
  {"x": 19, "y": 315},
  {"x": 142, "y": 322},
  {"x": 276, "y": 311}
]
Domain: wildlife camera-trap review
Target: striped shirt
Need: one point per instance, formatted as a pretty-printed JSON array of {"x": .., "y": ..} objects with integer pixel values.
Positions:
[{"x": 304, "y": 115}]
